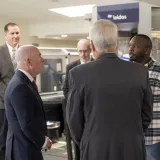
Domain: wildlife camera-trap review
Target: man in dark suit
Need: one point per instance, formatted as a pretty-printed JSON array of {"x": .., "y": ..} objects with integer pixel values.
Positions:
[
  {"x": 109, "y": 109},
  {"x": 7, "y": 64},
  {"x": 26, "y": 135},
  {"x": 84, "y": 50}
]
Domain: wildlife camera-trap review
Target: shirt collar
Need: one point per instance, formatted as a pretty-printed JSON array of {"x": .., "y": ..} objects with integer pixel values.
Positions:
[
  {"x": 10, "y": 47},
  {"x": 27, "y": 74},
  {"x": 150, "y": 63}
]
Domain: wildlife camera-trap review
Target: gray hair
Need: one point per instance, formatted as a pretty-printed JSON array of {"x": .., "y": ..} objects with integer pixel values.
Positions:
[
  {"x": 84, "y": 41},
  {"x": 24, "y": 52},
  {"x": 104, "y": 35}
]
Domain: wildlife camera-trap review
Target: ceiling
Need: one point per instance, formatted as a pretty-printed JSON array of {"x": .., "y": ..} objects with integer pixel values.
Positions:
[{"x": 36, "y": 11}]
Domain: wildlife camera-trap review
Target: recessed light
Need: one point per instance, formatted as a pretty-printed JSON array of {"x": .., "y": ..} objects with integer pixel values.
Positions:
[
  {"x": 74, "y": 11},
  {"x": 64, "y": 35}
]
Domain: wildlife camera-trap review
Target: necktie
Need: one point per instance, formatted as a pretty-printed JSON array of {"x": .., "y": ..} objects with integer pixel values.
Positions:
[
  {"x": 35, "y": 85},
  {"x": 13, "y": 59}
]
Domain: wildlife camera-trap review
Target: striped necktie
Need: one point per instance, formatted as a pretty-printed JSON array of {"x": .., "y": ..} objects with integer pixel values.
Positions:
[{"x": 13, "y": 59}]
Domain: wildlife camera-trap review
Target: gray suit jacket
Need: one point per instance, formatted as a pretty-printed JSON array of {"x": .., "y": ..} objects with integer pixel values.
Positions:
[
  {"x": 66, "y": 82},
  {"x": 109, "y": 109},
  {"x": 6, "y": 71}
]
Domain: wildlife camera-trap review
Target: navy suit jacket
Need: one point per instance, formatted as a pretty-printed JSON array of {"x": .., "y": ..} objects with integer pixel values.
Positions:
[{"x": 26, "y": 120}]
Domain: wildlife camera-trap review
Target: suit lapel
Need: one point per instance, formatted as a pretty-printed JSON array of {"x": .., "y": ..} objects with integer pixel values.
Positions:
[
  {"x": 78, "y": 63},
  {"x": 7, "y": 55},
  {"x": 30, "y": 85},
  {"x": 33, "y": 90}
]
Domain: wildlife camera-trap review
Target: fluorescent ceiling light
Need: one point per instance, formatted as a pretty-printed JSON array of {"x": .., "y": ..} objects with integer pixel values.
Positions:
[
  {"x": 75, "y": 11},
  {"x": 64, "y": 35}
]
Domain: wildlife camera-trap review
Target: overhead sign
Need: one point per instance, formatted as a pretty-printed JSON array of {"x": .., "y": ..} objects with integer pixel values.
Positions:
[{"x": 122, "y": 13}]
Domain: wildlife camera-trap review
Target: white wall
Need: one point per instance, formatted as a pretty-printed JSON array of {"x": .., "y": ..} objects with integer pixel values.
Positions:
[
  {"x": 57, "y": 43},
  {"x": 78, "y": 26},
  {"x": 27, "y": 39}
]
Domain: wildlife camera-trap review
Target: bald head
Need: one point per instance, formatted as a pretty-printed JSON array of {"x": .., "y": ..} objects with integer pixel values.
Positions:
[
  {"x": 29, "y": 59},
  {"x": 25, "y": 52}
]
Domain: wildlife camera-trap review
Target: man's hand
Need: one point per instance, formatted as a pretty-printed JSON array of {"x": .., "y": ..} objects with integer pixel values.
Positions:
[{"x": 49, "y": 144}]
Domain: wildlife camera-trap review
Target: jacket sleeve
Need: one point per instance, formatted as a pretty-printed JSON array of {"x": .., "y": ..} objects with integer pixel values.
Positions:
[
  {"x": 147, "y": 106},
  {"x": 5, "y": 76},
  {"x": 66, "y": 84},
  {"x": 26, "y": 109},
  {"x": 74, "y": 112}
]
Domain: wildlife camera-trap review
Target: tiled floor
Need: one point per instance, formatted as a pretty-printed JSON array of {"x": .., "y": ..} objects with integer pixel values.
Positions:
[{"x": 58, "y": 152}]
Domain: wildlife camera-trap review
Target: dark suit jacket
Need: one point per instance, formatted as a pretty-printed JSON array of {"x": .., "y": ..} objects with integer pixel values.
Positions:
[
  {"x": 6, "y": 71},
  {"x": 109, "y": 109},
  {"x": 26, "y": 120},
  {"x": 66, "y": 82}
]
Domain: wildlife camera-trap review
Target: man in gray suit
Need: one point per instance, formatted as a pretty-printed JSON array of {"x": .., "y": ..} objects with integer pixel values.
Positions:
[
  {"x": 109, "y": 109},
  {"x": 7, "y": 67}
]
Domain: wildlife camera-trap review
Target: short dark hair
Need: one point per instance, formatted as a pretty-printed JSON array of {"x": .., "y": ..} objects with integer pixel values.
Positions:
[
  {"x": 9, "y": 24},
  {"x": 146, "y": 38}
]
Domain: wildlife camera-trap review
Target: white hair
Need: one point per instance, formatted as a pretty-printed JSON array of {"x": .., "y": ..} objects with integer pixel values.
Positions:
[
  {"x": 104, "y": 35},
  {"x": 84, "y": 41},
  {"x": 24, "y": 52}
]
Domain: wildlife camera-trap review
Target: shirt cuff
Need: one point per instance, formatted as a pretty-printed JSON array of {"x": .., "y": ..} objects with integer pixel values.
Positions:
[{"x": 45, "y": 143}]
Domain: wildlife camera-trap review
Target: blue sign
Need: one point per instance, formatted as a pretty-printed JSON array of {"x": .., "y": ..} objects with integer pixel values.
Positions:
[{"x": 122, "y": 13}]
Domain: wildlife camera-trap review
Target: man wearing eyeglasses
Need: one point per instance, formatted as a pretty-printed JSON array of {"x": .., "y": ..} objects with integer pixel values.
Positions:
[{"x": 83, "y": 47}]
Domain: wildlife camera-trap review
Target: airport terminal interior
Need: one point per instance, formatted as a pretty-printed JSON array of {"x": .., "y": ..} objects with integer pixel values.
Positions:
[{"x": 55, "y": 27}]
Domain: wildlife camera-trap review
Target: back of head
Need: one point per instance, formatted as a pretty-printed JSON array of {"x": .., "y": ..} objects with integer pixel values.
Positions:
[
  {"x": 104, "y": 35},
  {"x": 24, "y": 52}
]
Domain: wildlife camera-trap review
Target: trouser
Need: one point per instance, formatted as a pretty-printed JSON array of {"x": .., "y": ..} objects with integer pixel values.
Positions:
[
  {"x": 76, "y": 151},
  {"x": 153, "y": 151},
  {"x": 3, "y": 133},
  {"x": 69, "y": 139}
]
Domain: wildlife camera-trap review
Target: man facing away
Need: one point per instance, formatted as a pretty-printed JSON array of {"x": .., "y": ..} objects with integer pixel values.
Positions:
[
  {"x": 7, "y": 67},
  {"x": 84, "y": 51},
  {"x": 109, "y": 109},
  {"x": 26, "y": 135},
  {"x": 140, "y": 48}
]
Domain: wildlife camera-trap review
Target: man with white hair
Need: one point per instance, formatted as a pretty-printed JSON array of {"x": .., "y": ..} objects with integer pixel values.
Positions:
[
  {"x": 26, "y": 135},
  {"x": 109, "y": 109},
  {"x": 84, "y": 50}
]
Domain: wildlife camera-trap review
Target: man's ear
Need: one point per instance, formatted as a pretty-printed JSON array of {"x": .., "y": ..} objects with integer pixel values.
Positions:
[
  {"x": 28, "y": 60},
  {"x": 147, "y": 51}
]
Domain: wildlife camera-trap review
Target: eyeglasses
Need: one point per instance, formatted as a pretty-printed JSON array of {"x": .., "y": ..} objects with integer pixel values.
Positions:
[{"x": 83, "y": 51}]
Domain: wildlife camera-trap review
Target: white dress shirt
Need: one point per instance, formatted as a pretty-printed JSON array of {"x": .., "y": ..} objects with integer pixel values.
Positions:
[
  {"x": 11, "y": 48},
  {"x": 82, "y": 62}
]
